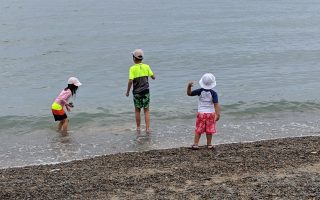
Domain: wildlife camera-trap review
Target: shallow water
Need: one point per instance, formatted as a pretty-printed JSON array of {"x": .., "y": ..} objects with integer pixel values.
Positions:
[{"x": 265, "y": 56}]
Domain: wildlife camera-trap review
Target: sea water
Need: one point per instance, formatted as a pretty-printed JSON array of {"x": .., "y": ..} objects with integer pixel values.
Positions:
[{"x": 265, "y": 56}]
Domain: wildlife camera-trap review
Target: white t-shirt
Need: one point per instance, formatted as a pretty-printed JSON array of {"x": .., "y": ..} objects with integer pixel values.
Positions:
[{"x": 207, "y": 99}]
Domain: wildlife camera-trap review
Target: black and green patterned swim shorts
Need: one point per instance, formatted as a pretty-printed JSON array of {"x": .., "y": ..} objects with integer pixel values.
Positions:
[{"x": 141, "y": 100}]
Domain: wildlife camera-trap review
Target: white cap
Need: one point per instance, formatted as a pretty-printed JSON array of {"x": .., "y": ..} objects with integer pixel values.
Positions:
[
  {"x": 74, "y": 81},
  {"x": 138, "y": 53},
  {"x": 208, "y": 81}
]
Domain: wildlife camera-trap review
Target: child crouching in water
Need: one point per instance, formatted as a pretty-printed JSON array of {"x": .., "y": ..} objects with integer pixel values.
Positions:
[
  {"x": 62, "y": 101},
  {"x": 208, "y": 109}
]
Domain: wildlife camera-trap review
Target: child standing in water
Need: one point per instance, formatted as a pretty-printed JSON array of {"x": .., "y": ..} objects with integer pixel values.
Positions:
[
  {"x": 62, "y": 101},
  {"x": 138, "y": 76},
  {"x": 208, "y": 109}
]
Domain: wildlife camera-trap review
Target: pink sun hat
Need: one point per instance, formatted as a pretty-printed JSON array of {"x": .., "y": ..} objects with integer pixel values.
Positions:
[{"x": 75, "y": 81}]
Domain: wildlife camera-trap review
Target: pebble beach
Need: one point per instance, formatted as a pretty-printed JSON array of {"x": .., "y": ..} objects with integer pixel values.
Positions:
[{"x": 287, "y": 168}]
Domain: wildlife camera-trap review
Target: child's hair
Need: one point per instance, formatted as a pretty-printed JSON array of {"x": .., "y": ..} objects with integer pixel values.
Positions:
[
  {"x": 73, "y": 88},
  {"x": 137, "y": 59}
]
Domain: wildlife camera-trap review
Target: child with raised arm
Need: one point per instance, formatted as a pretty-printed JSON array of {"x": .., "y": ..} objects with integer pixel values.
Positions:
[
  {"x": 138, "y": 77},
  {"x": 62, "y": 101},
  {"x": 208, "y": 109}
]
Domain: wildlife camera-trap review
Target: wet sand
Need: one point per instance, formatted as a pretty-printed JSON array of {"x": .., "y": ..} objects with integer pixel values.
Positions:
[{"x": 286, "y": 168}]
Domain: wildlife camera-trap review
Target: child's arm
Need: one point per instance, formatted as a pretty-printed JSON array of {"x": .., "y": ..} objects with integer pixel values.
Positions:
[
  {"x": 65, "y": 98},
  {"x": 190, "y": 84},
  {"x": 68, "y": 107},
  {"x": 129, "y": 87},
  {"x": 150, "y": 73},
  {"x": 217, "y": 109}
]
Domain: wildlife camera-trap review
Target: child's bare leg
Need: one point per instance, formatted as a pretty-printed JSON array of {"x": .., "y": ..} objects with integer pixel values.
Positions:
[
  {"x": 60, "y": 126},
  {"x": 147, "y": 119},
  {"x": 138, "y": 119},
  {"x": 65, "y": 125},
  {"x": 196, "y": 139},
  {"x": 209, "y": 139}
]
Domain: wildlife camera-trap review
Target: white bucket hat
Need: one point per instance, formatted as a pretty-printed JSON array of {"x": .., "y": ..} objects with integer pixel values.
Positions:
[
  {"x": 74, "y": 81},
  {"x": 138, "y": 53},
  {"x": 208, "y": 81}
]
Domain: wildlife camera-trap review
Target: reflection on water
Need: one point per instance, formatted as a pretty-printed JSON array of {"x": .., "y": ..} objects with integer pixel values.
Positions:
[
  {"x": 142, "y": 142},
  {"x": 63, "y": 147}
]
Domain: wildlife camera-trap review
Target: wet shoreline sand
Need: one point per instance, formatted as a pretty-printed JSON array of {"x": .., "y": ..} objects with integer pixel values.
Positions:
[{"x": 287, "y": 168}]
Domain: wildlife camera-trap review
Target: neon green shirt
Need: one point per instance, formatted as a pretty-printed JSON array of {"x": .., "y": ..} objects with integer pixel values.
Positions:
[{"x": 139, "y": 74}]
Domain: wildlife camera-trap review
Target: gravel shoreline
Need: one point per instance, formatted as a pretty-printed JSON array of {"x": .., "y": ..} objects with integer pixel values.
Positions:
[{"x": 287, "y": 168}]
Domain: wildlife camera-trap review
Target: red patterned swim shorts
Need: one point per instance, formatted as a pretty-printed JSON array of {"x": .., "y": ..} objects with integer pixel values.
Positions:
[{"x": 205, "y": 123}]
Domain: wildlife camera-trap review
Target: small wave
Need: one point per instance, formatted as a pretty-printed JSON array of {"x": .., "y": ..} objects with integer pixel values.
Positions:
[
  {"x": 242, "y": 108},
  {"x": 23, "y": 124},
  {"x": 84, "y": 117},
  {"x": 53, "y": 52},
  {"x": 102, "y": 117}
]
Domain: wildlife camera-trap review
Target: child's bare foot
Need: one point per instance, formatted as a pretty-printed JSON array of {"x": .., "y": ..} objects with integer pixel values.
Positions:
[
  {"x": 210, "y": 146},
  {"x": 64, "y": 133},
  {"x": 148, "y": 131}
]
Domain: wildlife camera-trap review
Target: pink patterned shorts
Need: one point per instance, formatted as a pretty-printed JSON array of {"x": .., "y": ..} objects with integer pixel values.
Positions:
[{"x": 205, "y": 123}]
